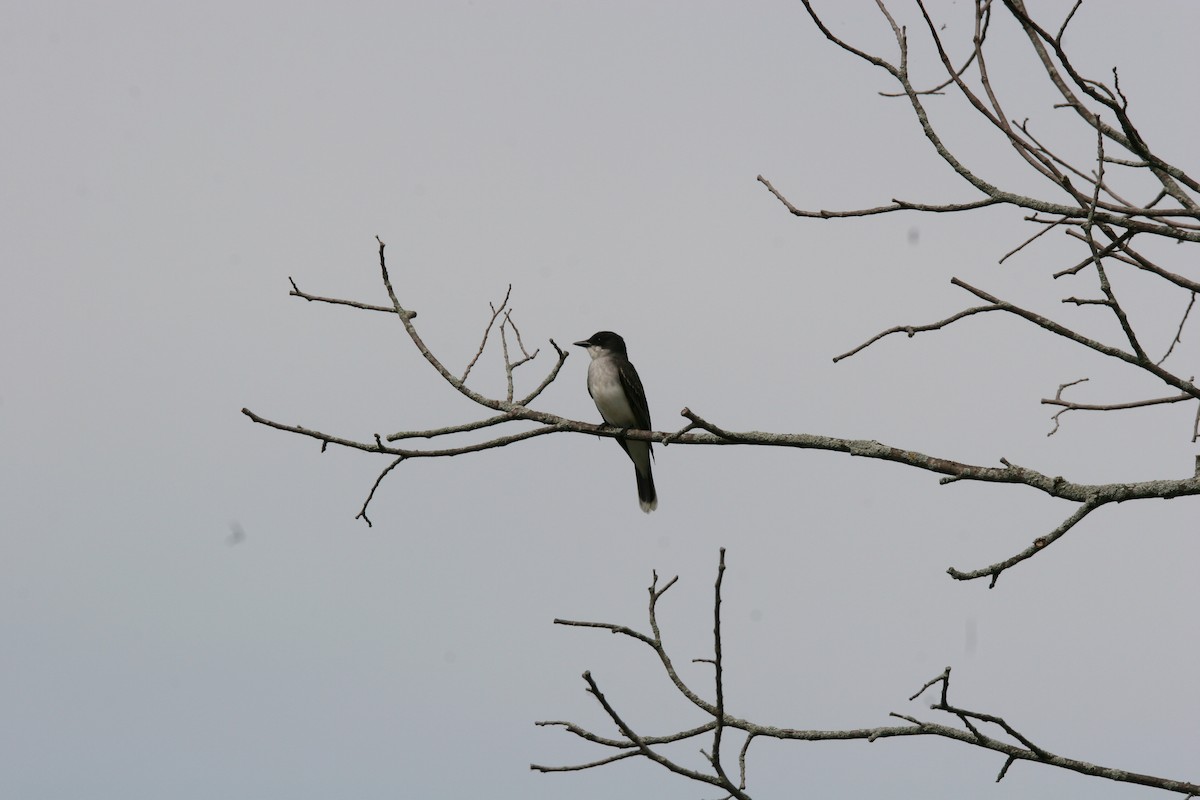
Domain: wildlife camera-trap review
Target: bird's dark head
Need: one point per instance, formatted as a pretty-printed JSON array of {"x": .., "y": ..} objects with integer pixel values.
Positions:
[{"x": 603, "y": 341}]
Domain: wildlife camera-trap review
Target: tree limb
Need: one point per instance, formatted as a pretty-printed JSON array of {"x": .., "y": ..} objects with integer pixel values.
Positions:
[{"x": 1022, "y": 748}]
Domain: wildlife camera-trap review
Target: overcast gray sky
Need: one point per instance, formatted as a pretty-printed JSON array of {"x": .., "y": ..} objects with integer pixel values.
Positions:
[{"x": 169, "y": 166}]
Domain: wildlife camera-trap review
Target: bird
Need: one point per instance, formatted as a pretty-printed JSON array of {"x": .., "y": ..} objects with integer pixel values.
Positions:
[{"x": 617, "y": 391}]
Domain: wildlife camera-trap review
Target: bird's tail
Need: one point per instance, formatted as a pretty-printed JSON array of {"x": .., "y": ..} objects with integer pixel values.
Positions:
[{"x": 647, "y": 497}]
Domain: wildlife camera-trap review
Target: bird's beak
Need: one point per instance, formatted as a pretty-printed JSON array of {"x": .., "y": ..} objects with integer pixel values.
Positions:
[{"x": 584, "y": 343}]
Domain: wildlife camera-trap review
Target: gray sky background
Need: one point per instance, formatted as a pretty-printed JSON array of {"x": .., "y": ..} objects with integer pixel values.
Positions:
[{"x": 168, "y": 167}]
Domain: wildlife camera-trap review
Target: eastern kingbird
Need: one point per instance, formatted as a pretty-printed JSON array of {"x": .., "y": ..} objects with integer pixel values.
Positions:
[{"x": 617, "y": 390}]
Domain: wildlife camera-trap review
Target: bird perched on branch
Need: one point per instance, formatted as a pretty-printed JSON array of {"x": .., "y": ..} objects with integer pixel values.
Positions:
[{"x": 617, "y": 391}]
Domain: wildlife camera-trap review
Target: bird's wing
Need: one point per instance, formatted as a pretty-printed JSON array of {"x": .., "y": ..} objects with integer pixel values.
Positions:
[{"x": 632, "y": 385}]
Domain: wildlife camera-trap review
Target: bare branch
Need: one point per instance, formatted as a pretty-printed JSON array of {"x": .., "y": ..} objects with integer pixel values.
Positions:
[
  {"x": 1128, "y": 137},
  {"x": 1147, "y": 265},
  {"x": 496, "y": 312},
  {"x": 719, "y": 676},
  {"x": 1179, "y": 333},
  {"x": 580, "y": 767},
  {"x": 1025, "y": 149},
  {"x": 1067, "y": 405},
  {"x": 450, "y": 429},
  {"x": 582, "y": 733},
  {"x": 972, "y": 734},
  {"x": 943, "y": 679},
  {"x": 406, "y": 318},
  {"x": 952, "y": 470},
  {"x": 541, "y": 387},
  {"x": 1138, "y": 358},
  {"x": 644, "y": 748},
  {"x": 963, "y": 714},
  {"x": 509, "y": 321},
  {"x": 312, "y": 298},
  {"x": 1038, "y": 545},
  {"x": 742, "y": 760},
  {"x": 1112, "y": 249},
  {"x": 1031, "y": 239},
  {"x": 362, "y": 514},
  {"x": 379, "y": 447},
  {"x": 897, "y": 205},
  {"x": 1067, "y": 333},
  {"x": 991, "y": 111},
  {"x": 913, "y": 330},
  {"x": 985, "y": 10}
]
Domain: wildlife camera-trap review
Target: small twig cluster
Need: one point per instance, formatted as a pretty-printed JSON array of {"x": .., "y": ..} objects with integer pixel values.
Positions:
[
  {"x": 1086, "y": 203},
  {"x": 631, "y": 744}
]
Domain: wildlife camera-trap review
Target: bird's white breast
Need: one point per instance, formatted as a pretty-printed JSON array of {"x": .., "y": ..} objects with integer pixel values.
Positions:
[{"x": 604, "y": 383}]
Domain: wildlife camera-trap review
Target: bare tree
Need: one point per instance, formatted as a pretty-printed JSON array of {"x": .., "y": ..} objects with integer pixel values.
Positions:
[{"x": 1086, "y": 197}]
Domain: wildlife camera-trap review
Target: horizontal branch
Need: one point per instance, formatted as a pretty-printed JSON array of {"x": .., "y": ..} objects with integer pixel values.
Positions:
[
  {"x": 1091, "y": 496},
  {"x": 1137, "y": 359},
  {"x": 1068, "y": 405},
  {"x": 896, "y": 205},
  {"x": 379, "y": 447},
  {"x": 447, "y": 430},
  {"x": 587, "y": 735},
  {"x": 716, "y": 436},
  {"x": 1122, "y": 217},
  {"x": 1153, "y": 401}
]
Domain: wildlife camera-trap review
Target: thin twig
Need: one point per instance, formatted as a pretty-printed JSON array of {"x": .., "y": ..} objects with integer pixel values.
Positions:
[
  {"x": 483, "y": 341},
  {"x": 1038, "y": 545},
  {"x": 312, "y": 298},
  {"x": 1179, "y": 332},
  {"x": 362, "y": 514}
]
